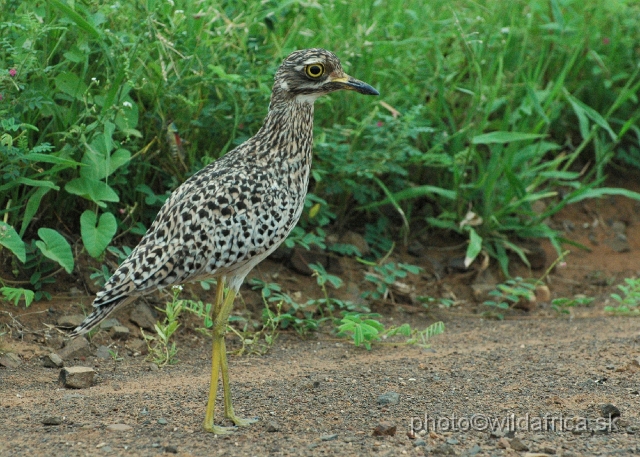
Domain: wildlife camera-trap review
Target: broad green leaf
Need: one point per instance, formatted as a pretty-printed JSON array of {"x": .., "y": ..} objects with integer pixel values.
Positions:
[
  {"x": 96, "y": 191},
  {"x": 55, "y": 247},
  {"x": 504, "y": 137},
  {"x": 10, "y": 239},
  {"x": 70, "y": 84},
  {"x": 14, "y": 295},
  {"x": 474, "y": 248},
  {"x": 97, "y": 238},
  {"x": 32, "y": 207},
  {"x": 29, "y": 182}
]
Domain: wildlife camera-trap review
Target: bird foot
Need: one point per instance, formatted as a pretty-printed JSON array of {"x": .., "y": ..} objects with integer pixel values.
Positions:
[
  {"x": 220, "y": 430},
  {"x": 241, "y": 422}
]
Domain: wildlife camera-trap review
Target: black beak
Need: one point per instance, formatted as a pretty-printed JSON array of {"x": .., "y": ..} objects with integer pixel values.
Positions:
[{"x": 349, "y": 83}]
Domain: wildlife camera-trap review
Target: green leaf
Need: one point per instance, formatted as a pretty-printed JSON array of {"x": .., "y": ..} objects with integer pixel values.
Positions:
[
  {"x": 10, "y": 239},
  {"x": 55, "y": 247},
  {"x": 70, "y": 84},
  {"x": 583, "y": 111},
  {"x": 77, "y": 18},
  {"x": 32, "y": 207},
  {"x": 14, "y": 295},
  {"x": 97, "y": 238},
  {"x": 474, "y": 248},
  {"x": 504, "y": 137},
  {"x": 96, "y": 191}
]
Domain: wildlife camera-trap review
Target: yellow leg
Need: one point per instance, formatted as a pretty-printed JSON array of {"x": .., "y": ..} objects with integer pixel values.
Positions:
[
  {"x": 228, "y": 405},
  {"x": 219, "y": 326}
]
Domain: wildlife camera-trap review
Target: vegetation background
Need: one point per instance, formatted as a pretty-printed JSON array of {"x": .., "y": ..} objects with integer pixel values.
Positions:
[{"x": 492, "y": 117}]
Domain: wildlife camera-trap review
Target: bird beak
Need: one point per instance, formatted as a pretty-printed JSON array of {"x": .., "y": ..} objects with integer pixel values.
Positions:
[{"x": 349, "y": 83}]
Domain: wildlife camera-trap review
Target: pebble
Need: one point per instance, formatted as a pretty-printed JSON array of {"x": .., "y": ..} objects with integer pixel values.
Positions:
[
  {"x": 75, "y": 349},
  {"x": 10, "y": 360},
  {"x": 384, "y": 429},
  {"x": 474, "y": 450},
  {"x": 108, "y": 324},
  {"x": 273, "y": 426},
  {"x": 171, "y": 449},
  {"x": 389, "y": 398},
  {"x": 444, "y": 449},
  {"x": 518, "y": 445},
  {"x": 331, "y": 437},
  {"x": 452, "y": 441},
  {"x": 70, "y": 321},
  {"x": 120, "y": 332},
  {"x": 77, "y": 377},
  {"x": 153, "y": 367},
  {"x": 103, "y": 352},
  {"x": 106, "y": 448},
  {"x": 419, "y": 443},
  {"x": 609, "y": 410},
  {"x": 162, "y": 421},
  {"x": 52, "y": 360},
  {"x": 139, "y": 347},
  {"x": 119, "y": 427},
  {"x": 144, "y": 317},
  {"x": 53, "y": 420}
]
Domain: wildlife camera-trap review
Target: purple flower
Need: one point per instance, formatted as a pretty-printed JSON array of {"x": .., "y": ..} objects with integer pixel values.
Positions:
[
  {"x": 13, "y": 72},
  {"x": 380, "y": 124},
  {"x": 606, "y": 41}
]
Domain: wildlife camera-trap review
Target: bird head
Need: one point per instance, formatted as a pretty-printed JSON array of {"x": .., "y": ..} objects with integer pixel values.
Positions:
[{"x": 306, "y": 75}]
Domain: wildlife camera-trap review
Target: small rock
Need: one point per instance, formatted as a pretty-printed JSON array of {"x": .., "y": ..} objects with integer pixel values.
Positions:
[
  {"x": 543, "y": 294},
  {"x": 162, "y": 421},
  {"x": 389, "y": 398},
  {"x": 609, "y": 411},
  {"x": 273, "y": 426},
  {"x": 416, "y": 248},
  {"x": 119, "y": 427},
  {"x": 139, "y": 347},
  {"x": 75, "y": 349},
  {"x": 107, "y": 449},
  {"x": 474, "y": 450},
  {"x": 419, "y": 443},
  {"x": 120, "y": 332},
  {"x": 144, "y": 317},
  {"x": 356, "y": 240},
  {"x": 52, "y": 360},
  {"x": 153, "y": 367},
  {"x": 503, "y": 443},
  {"x": 619, "y": 227},
  {"x": 103, "y": 352},
  {"x": 171, "y": 449},
  {"x": 53, "y": 420},
  {"x": 108, "y": 324},
  {"x": 331, "y": 437},
  {"x": 444, "y": 449},
  {"x": 70, "y": 321},
  {"x": 518, "y": 445},
  {"x": 77, "y": 377},
  {"x": 55, "y": 342},
  {"x": 384, "y": 429},
  {"x": 10, "y": 360},
  {"x": 452, "y": 441},
  {"x": 619, "y": 243}
]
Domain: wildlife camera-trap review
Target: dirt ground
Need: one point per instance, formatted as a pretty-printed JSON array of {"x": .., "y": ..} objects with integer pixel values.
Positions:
[{"x": 536, "y": 383}]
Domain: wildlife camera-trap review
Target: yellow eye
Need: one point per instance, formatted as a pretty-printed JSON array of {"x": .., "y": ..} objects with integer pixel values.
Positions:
[{"x": 314, "y": 70}]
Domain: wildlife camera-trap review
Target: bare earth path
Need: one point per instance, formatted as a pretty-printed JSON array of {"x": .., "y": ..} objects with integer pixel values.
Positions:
[{"x": 320, "y": 397}]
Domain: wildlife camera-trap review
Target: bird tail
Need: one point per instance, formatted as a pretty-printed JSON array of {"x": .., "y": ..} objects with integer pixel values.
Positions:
[{"x": 98, "y": 315}]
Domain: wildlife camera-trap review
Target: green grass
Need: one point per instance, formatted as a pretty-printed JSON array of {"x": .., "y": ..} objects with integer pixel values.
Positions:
[{"x": 487, "y": 109}]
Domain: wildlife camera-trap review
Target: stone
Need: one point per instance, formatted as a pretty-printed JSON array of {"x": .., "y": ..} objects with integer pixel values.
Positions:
[
  {"x": 356, "y": 240},
  {"x": 331, "y": 437},
  {"x": 55, "y": 342},
  {"x": 170, "y": 449},
  {"x": 389, "y": 398},
  {"x": 75, "y": 349},
  {"x": 444, "y": 449},
  {"x": 619, "y": 243},
  {"x": 119, "y": 427},
  {"x": 108, "y": 324},
  {"x": 139, "y": 347},
  {"x": 518, "y": 445},
  {"x": 273, "y": 426},
  {"x": 70, "y": 321},
  {"x": 384, "y": 429},
  {"x": 120, "y": 332},
  {"x": 52, "y": 360},
  {"x": 543, "y": 294},
  {"x": 54, "y": 420},
  {"x": 144, "y": 317},
  {"x": 416, "y": 248},
  {"x": 162, "y": 421},
  {"x": 77, "y": 377},
  {"x": 10, "y": 360},
  {"x": 103, "y": 352},
  {"x": 609, "y": 411}
]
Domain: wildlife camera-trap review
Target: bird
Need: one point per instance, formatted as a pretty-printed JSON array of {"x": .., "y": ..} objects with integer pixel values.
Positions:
[{"x": 229, "y": 216}]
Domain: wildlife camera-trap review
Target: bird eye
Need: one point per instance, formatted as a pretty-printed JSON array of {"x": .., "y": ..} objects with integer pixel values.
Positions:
[{"x": 314, "y": 70}]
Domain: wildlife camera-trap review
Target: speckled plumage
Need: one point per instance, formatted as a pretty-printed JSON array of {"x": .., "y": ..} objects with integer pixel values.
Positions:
[{"x": 230, "y": 215}]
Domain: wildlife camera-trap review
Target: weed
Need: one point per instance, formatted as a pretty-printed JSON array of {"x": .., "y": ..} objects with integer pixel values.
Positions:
[
  {"x": 508, "y": 294},
  {"x": 162, "y": 350},
  {"x": 561, "y": 305},
  {"x": 628, "y": 300},
  {"x": 385, "y": 275}
]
